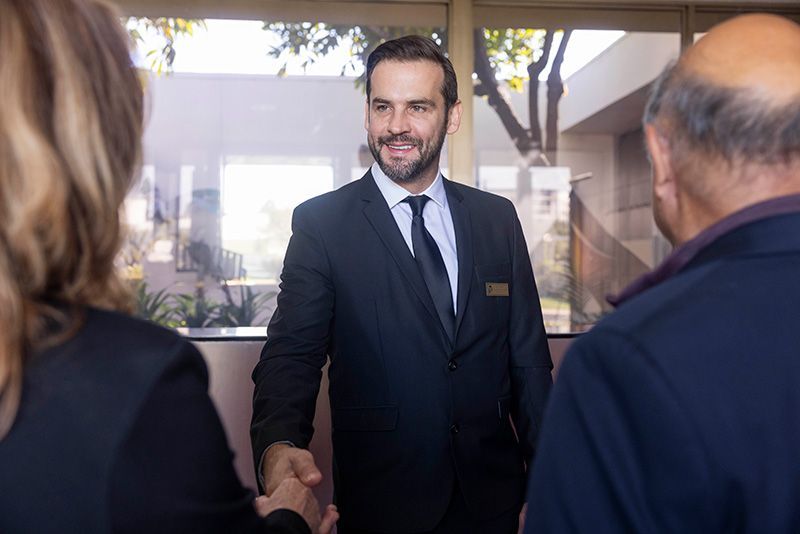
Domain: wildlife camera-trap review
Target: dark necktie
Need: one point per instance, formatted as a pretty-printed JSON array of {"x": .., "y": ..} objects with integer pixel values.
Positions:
[{"x": 431, "y": 265}]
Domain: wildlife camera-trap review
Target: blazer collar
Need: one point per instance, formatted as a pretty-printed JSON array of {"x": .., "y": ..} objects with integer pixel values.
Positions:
[
  {"x": 462, "y": 224},
  {"x": 377, "y": 212}
]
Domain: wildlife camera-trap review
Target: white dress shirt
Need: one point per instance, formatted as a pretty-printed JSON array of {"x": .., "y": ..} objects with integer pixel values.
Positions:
[{"x": 438, "y": 220}]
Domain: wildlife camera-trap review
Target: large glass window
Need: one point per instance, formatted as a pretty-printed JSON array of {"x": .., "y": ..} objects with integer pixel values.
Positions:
[
  {"x": 558, "y": 132},
  {"x": 246, "y": 120}
]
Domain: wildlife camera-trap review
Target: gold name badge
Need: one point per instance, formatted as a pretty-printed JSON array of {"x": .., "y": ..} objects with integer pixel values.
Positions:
[{"x": 496, "y": 289}]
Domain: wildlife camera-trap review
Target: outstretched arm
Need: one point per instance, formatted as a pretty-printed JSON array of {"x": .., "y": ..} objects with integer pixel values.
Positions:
[
  {"x": 174, "y": 471},
  {"x": 287, "y": 378}
]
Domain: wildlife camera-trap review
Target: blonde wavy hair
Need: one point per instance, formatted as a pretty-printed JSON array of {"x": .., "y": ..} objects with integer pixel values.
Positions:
[{"x": 70, "y": 130}]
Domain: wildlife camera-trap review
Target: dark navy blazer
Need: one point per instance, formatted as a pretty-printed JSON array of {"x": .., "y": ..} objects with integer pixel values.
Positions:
[
  {"x": 117, "y": 434},
  {"x": 681, "y": 411},
  {"x": 410, "y": 410}
]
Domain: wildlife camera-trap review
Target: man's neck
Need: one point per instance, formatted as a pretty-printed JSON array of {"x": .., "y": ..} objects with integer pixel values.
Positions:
[
  {"x": 422, "y": 181},
  {"x": 699, "y": 214},
  {"x": 417, "y": 187}
]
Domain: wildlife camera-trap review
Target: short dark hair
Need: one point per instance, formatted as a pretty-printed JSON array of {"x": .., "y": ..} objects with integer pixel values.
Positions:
[
  {"x": 735, "y": 124},
  {"x": 415, "y": 48}
]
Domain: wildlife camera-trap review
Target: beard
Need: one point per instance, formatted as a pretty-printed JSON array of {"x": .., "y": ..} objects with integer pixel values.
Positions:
[{"x": 402, "y": 170}]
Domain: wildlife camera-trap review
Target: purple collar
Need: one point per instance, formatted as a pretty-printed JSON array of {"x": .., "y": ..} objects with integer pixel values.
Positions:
[{"x": 686, "y": 252}]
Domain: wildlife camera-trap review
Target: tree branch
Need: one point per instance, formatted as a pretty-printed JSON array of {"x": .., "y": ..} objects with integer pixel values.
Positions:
[
  {"x": 534, "y": 70},
  {"x": 555, "y": 89},
  {"x": 519, "y": 135}
]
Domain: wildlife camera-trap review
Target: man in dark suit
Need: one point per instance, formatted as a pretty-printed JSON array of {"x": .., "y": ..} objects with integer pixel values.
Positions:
[
  {"x": 420, "y": 290},
  {"x": 679, "y": 412}
]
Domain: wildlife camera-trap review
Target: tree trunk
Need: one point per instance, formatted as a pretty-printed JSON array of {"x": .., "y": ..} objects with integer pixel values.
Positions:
[
  {"x": 534, "y": 70},
  {"x": 489, "y": 87},
  {"x": 555, "y": 89}
]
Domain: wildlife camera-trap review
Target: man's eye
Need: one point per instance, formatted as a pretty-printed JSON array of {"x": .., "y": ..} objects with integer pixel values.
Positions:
[
  {"x": 418, "y": 109},
  {"x": 381, "y": 108}
]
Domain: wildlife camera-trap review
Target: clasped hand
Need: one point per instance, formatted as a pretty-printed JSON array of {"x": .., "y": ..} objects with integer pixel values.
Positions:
[{"x": 289, "y": 475}]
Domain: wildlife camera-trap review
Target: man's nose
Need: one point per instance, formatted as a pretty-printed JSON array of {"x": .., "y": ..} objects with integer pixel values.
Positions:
[{"x": 398, "y": 123}]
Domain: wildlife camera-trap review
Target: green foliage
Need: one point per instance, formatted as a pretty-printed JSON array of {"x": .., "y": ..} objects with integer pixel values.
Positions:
[
  {"x": 511, "y": 50},
  {"x": 168, "y": 29},
  {"x": 310, "y": 42},
  {"x": 248, "y": 308},
  {"x": 195, "y": 310},
  {"x": 153, "y": 305}
]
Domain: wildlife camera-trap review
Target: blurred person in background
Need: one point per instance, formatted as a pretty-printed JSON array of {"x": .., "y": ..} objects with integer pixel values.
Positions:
[{"x": 96, "y": 408}]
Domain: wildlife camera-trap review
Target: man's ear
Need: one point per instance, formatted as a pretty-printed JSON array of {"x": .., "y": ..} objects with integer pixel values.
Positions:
[
  {"x": 667, "y": 211},
  {"x": 454, "y": 117},
  {"x": 664, "y": 184},
  {"x": 366, "y": 115}
]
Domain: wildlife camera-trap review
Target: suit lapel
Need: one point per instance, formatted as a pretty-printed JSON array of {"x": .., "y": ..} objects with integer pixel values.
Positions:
[
  {"x": 381, "y": 219},
  {"x": 463, "y": 230}
]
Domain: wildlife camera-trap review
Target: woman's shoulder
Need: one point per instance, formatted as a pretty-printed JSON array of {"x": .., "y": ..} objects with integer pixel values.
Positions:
[
  {"x": 114, "y": 348},
  {"x": 82, "y": 400},
  {"x": 98, "y": 322},
  {"x": 106, "y": 330}
]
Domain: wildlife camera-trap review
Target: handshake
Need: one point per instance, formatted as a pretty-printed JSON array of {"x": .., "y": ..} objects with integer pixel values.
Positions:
[{"x": 289, "y": 475}]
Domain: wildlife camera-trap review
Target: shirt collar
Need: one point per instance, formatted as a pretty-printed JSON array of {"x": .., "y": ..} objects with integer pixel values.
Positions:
[
  {"x": 685, "y": 253},
  {"x": 394, "y": 194}
]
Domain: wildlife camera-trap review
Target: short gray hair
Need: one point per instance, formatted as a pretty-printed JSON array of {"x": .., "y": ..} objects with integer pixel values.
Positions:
[{"x": 734, "y": 124}]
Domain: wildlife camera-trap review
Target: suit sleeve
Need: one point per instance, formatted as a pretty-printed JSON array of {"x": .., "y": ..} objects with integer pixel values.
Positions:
[
  {"x": 618, "y": 452},
  {"x": 174, "y": 471},
  {"x": 287, "y": 378},
  {"x": 530, "y": 361}
]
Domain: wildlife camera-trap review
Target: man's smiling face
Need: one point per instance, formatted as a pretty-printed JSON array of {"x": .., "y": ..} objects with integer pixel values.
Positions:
[{"x": 406, "y": 120}]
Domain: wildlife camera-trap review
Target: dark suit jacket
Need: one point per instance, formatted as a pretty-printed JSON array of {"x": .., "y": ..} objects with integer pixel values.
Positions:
[
  {"x": 410, "y": 411},
  {"x": 116, "y": 433},
  {"x": 681, "y": 411}
]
